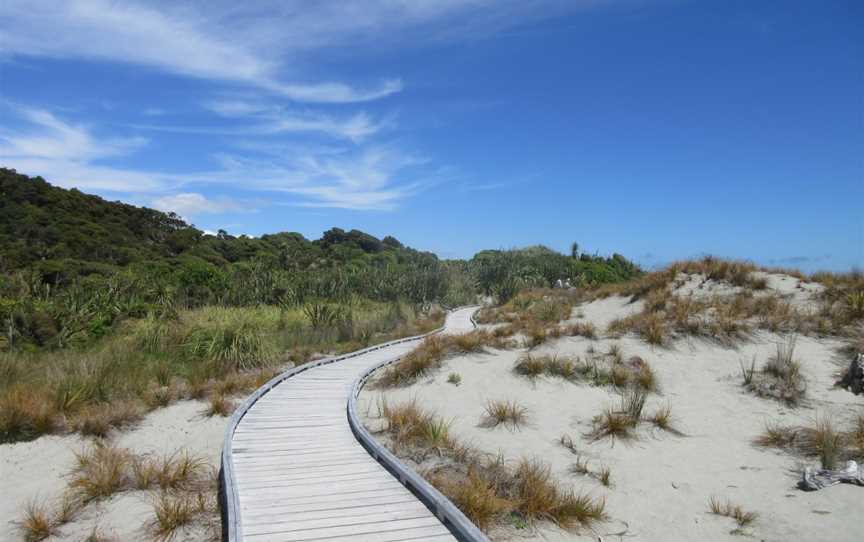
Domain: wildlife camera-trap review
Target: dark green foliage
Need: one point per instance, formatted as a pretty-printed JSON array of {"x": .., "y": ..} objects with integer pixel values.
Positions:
[
  {"x": 504, "y": 272},
  {"x": 73, "y": 266}
]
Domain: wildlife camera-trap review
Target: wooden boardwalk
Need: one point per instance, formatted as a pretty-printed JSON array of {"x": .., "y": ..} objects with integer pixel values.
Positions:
[{"x": 300, "y": 474}]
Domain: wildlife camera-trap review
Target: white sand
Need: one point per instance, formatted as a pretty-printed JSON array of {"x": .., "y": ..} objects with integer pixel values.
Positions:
[
  {"x": 662, "y": 483},
  {"x": 37, "y": 469}
]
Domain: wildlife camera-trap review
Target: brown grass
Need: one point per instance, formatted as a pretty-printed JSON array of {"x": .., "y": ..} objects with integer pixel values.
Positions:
[
  {"x": 219, "y": 404},
  {"x": 780, "y": 377},
  {"x": 172, "y": 511},
  {"x": 663, "y": 419},
  {"x": 101, "y": 471},
  {"x": 427, "y": 357},
  {"x": 734, "y": 511},
  {"x": 485, "y": 488},
  {"x": 541, "y": 497},
  {"x": 98, "y": 420},
  {"x": 476, "y": 496},
  {"x": 37, "y": 523},
  {"x": 498, "y": 412},
  {"x": 823, "y": 440}
]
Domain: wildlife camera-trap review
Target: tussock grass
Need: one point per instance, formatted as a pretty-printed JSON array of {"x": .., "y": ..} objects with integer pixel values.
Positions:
[
  {"x": 504, "y": 412},
  {"x": 454, "y": 378},
  {"x": 580, "y": 329},
  {"x": 37, "y": 523},
  {"x": 780, "y": 377},
  {"x": 101, "y": 471},
  {"x": 98, "y": 420},
  {"x": 541, "y": 497},
  {"x": 411, "y": 427},
  {"x": 486, "y": 488},
  {"x": 822, "y": 439},
  {"x": 171, "y": 512},
  {"x": 663, "y": 419},
  {"x": 728, "y": 509},
  {"x": 429, "y": 355},
  {"x": 636, "y": 373},
  {"x": 621, "y": 422},
  {"x": 150, "y": 363},
  {"x": 476, "y": 496},
  {"x": 219, "y": 405}
]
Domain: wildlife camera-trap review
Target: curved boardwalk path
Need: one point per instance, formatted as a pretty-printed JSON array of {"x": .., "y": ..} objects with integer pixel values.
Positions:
[{"x": 297, "y": 472}]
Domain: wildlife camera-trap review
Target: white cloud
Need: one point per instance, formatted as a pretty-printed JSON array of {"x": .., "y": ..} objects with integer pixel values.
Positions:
[
  {"x": 373, "y": 177},
  {"x": 268, "y": 44},
  {"x": 193, "y": 203},
  {"x": 273, "y": 119},
  {"x": 217, "y": 42}
]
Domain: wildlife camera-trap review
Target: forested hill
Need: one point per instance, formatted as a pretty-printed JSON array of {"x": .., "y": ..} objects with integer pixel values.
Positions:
[{"x": 65, "y": 233}]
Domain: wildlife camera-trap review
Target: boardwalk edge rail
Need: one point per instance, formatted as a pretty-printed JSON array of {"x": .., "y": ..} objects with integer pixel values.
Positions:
[
  {"x": 228, "y": 497},
  {"x": 461, "y": 527}
]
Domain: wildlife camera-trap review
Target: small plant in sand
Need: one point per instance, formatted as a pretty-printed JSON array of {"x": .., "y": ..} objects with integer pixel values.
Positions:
[
  {"x": 454, "y": 378},
  {"x": 37, "y": 523},
  {"x": 499, "y": 412},
  {"x": 822, "y": 440},
  {"x": 662, "y": 419},
  {"x": 432, "y": 351},
  {"x": 728, "y": 509},
  {"x": 780, "y": 377},
  {"x": 622, "y": 421},
  {"x": 218, "y": 404}
]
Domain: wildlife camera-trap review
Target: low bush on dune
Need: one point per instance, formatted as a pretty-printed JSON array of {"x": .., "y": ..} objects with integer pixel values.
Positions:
[{"x": 486, "y": 489}]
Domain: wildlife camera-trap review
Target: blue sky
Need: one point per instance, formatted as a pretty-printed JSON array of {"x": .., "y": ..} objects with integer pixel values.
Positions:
[{"x": 660, "y": 130}]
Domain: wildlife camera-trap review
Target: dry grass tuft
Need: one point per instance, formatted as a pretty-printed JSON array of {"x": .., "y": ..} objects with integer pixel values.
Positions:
[
  {"x": 734, "y": 511},
  {"x": 219, "y": 405},
  {"x": 171, "y": 512},
  {"x": 823, "y": 440},
  {"x": 499, "y": 412},
  {"x": 662, "y": 419},
  {"x": 38, "y": 523},
  {"x": 101, "y": 471},
  {"x": 432, "y": 351},
  {"x": 780, "y": 377},
  {"x": 476, "y": 496},
  {"x": 454, "y": 378},
  {"x": 98, "y": 420},
  {"x": 541, "y": 497}
]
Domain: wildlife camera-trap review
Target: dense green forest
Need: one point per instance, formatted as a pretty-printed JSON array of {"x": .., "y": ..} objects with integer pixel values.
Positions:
[{"x": 73, "y": 265}]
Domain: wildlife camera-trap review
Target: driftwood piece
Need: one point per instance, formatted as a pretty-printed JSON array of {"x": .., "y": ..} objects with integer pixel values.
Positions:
[
  {"x": 853, "y": 380},
  {"x": 813, "y": 479}
]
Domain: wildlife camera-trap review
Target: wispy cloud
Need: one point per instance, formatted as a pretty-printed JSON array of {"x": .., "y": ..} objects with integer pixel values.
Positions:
[
  {"x": 189, "y": 204},
  {"x": 373, "y": 177},
  {"x": 215, "y": 43},
  {"x": 268, "y": 44},
  {"x": 273, "y": 119}
]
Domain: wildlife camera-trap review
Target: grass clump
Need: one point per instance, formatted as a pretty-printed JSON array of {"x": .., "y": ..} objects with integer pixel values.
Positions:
[
  {"x": 485, "y": 488},
  {"x": 454, "y": 378},
  {"x": 728, "y": 509},
  {"x": 476, "y": 496},
  {"x": 37, "y": 523},
  {"x": 101, "y": 471},
  {"x": 498, "y": 412},
  {"x": 780, "y": 378},
  {"x": 822, "y": 439},
  {"x": 432, "y": 351}
]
